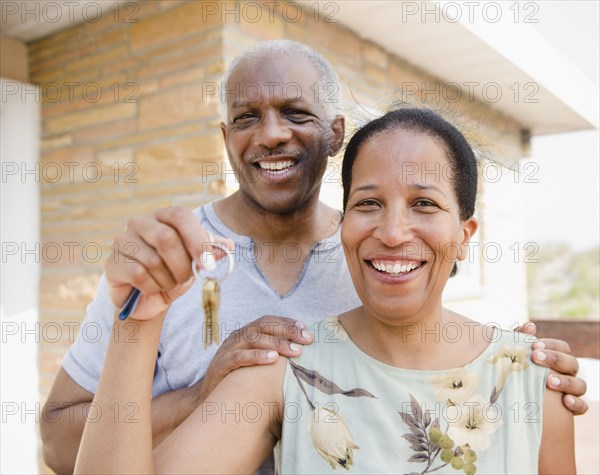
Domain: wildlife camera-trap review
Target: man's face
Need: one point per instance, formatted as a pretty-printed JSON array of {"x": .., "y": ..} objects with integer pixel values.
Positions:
[{"x": 277, "y": 136}]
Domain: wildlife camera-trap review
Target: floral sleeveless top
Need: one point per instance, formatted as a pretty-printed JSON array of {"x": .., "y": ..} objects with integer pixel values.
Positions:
[{"x": 346, "y": 410}]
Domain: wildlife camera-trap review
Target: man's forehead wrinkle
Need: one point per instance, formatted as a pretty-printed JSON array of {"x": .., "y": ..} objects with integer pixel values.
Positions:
[{"x": 276, "y": 102}]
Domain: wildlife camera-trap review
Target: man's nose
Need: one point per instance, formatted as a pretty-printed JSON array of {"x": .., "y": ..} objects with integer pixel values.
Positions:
[{"x": 272, "y": 131}]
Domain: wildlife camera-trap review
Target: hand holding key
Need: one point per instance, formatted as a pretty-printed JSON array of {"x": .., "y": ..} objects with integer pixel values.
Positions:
[{"x": 155, "y": 255}]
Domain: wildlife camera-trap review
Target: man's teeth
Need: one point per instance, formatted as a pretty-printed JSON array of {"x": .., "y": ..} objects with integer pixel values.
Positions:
[
  {"x": 396, "y": 268},
  {"x": 275, "y": 166}
]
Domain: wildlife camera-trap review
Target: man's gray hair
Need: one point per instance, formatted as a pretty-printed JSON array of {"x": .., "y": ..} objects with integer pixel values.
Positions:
[{"x": 328, "y": 91}]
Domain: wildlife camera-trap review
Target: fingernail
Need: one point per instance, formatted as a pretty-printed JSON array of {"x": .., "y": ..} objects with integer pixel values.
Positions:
[
  {"x": 554, "y": 381},
  {"x": 570, "y": 400},
  {"x": 271, "y": 355},
  {"x": 208, "y": 261},
  {"x": 541, "y": 356},
  {"x": 306, "y": 334},
  {"x": 539, "y": 345},
  {"x": 295, "y": 347}
]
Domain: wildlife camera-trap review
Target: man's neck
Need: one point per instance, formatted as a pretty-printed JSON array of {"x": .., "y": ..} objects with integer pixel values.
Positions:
[{"x": 313, "y": 222}]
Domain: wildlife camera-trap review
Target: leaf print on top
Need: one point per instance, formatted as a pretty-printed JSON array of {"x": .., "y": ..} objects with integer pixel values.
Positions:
[
  {"x": 328, "y": 430},
  {"x": 433, "y": 443}
]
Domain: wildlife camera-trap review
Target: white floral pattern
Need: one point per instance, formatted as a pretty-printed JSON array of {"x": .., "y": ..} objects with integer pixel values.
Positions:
[
  {"x": 455, "y": 386},
  {"x": 473, "y": 422},
  {"x": 331, "y": 437}
]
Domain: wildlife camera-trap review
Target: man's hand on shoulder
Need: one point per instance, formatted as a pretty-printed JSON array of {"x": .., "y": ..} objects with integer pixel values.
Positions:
[
  {"x": 258, "y": 343},
  {"x": 556, "y": 355}
]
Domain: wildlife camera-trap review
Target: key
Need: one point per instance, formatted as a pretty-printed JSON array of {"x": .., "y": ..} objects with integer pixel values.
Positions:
[{"x": 211, "y": 298}]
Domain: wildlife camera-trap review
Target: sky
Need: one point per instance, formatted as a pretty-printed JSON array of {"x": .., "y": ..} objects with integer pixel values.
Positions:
[{"x": 564, "y": 205}]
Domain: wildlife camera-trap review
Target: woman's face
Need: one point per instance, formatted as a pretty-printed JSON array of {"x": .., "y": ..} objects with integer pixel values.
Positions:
[{"x": 402, "y": 231}]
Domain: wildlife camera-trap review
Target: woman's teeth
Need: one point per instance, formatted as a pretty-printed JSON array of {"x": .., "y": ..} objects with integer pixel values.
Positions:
[{"x": 396, "y": 268}]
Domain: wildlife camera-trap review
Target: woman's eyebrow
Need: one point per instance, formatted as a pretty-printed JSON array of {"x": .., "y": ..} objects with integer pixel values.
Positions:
[
  {"x": 425, "y": 187},
  {"x": 363, "y": 188}
]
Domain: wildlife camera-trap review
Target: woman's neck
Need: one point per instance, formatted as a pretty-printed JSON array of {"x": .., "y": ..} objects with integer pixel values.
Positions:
[{"x": 440, "y": 340}]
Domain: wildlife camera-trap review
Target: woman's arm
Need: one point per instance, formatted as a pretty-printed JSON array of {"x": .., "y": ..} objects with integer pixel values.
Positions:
[
  {"x": 233, "y": 431},
  {"x": 557, "y": 451},
  {"x": 114, "y": 439},
  {"x": 235, "y": 428}
]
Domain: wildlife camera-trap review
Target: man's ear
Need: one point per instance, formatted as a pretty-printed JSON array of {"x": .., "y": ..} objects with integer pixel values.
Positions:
[
  {"x": 469, "y": 228},
  {"x": 223, "y": 128},
  {"x": 338, "y": 127}
]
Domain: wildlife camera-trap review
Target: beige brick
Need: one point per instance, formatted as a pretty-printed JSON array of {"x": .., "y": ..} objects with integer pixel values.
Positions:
[
  {"x": 112, "y": 20},
  {"x": 99, "y": 59},
  {"x": 61, "y": 58},
  {"x": 70, "y": 229},
  {"x": 57, "y": 40},
  {"x": 375, "y": 55},
  {"x": 177, "y": 22},
  {"x": 61, "y": 97},
  {"x": 146, "y": 88},
  {"x": 336, "y": 39},
  {"x": 66, "y": 188},
  {"x": 107, "y": 131},
  {"x": 196, "y": 74},
  {"x": 121, "y": 156},
  {"x": 79, "y": 156},
  {"x": 375, "y": 75},
  {"x": 267, "y": 27},
  {"x": 175, "y": 105},
  {"x": 178, "y": 159},
  {"x": 170, "y": 188},
  {"x": 167, "y": 4},
  {"x": 181, "y": 59},
  {"x": 47, "y": 75},
  {"x": 81, "y": 119},
  {"x": 113, "y": 37},
  {"x": 153, "y": 135},
  {"x": 127, "y": 210},
  {"x": 56, "y": 141},
  {"x": 66, "y": 291}
]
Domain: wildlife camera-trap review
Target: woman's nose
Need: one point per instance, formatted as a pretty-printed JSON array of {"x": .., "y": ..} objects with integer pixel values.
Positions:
[{"x": 395, "y": 228}]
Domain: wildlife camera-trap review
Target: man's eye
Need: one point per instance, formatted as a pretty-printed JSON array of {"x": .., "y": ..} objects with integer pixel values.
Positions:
[
  {"x": 245, "y": 117},
  {"x": 296, "y": 114}
]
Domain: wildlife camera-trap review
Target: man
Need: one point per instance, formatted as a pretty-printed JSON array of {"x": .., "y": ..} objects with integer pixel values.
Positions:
[{"x": 288, "y": 255}]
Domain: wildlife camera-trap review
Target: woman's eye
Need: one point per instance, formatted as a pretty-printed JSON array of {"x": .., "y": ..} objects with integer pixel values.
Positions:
[
  {"x": 425, "y": 204},
  {"x": 366, "y": 204}
]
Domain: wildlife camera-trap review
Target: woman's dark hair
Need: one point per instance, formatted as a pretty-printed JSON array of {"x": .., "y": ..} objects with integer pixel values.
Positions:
[
  {"x": 460, "y": 154},
  {"x": 462, "y": 159}
]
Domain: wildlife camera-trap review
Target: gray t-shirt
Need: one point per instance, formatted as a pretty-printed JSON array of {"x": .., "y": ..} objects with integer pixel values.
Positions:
[{"x": 323, "y": 289}]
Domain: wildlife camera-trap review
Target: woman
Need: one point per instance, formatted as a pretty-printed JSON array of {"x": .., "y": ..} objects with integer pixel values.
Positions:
[{"x": 398, "y": 385}]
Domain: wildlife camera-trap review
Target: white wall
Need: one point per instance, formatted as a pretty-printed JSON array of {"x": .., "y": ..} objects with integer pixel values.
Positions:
[{"x": 19, "y": 148}]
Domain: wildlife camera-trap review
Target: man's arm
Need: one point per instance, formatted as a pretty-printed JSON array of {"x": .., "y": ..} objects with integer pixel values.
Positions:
[
  {"x": 556, "y": 355},
  {"x": 64, "y": 413},
  {"x": 63, "y": 418}
]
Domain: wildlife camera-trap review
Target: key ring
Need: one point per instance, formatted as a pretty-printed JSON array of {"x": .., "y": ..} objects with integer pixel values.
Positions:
[
  {"x": 228, "y": 255},
  {"x": 134, "y": 297}
]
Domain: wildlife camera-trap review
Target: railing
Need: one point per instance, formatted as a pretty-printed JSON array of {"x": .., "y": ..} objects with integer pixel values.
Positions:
[{"x": 582, "y": 335}]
